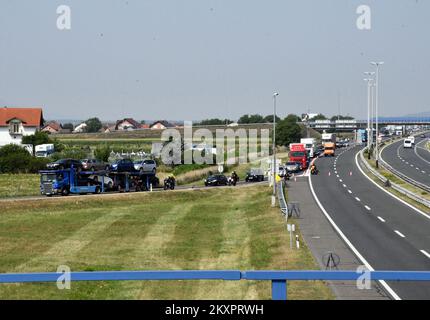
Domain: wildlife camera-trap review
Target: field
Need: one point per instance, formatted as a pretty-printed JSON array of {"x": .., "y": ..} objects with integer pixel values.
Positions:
[
  {"x": 228, "y": 228},
  {"x": 18, "y": 185}
]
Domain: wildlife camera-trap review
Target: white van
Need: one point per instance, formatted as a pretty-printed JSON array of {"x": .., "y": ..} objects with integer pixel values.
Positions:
[
  {"x": 412, "y": 138},
  {"x": 407, "y": 143}
]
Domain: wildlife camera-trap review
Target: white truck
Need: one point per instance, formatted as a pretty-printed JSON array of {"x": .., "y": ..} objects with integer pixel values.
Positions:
[
  {"x": 328, "y": 137},
  {"x": 310, "y": 146},
  {"x": 44, "y": 150}
]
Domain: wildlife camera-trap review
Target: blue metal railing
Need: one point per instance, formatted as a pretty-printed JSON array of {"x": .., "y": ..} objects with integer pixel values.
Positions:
[{"x": 278, "y": 278}]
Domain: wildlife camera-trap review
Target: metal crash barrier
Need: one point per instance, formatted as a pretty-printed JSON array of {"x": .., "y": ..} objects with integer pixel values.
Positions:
[{"x": 279, "y": 279}]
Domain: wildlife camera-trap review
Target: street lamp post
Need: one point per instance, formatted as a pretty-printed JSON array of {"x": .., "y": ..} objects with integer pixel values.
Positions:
[
  {"x": 377, "y": 65},
  {"x": 274, "y": 149},
  {"x": 369, "y": 81},
  {"x": 369, "y": 110}
]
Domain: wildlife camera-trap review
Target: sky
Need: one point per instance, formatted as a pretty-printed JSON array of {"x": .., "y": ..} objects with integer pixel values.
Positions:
[{"x": 199, "y": 59}]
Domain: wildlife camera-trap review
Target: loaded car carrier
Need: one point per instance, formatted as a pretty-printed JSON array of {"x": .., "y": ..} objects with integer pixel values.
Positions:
[{"x": 75, "y": 181}]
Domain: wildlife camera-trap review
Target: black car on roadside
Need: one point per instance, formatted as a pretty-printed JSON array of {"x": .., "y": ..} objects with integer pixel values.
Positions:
[
  {"x": 65, "y": 164},
  {"x": 254, "y": 175},
  {"x": 216, "y": 180}
]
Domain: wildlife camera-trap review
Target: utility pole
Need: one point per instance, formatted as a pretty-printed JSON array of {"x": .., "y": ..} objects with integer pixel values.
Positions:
[{"x": 274, "y": 149}]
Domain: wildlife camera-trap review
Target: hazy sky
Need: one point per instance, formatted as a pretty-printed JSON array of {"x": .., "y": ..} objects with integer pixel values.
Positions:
[{"x": 194, "y": 59}]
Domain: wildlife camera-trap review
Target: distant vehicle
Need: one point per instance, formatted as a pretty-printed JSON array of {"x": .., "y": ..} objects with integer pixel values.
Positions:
[
  {"x": 44, "y": 150},
  {"x": 412, "y": 138},
  {"x": 94, "y": 164},
  {"x": 292, "y": 166},
  {"x": 146, "y": 166},
  {"x": 310, "y": 146},
  {"x": 254, "y": 175},
  {"x": 329, "y": 149},
  {"x": 169, "y": 183},
  {"x": 407, "y": 143},
  {"x": 299, "y": 154},
  {"x": 328, "y": 137},
  {"x": 216, "y": 180},
  {"x": 123, "y": 165},
  {"x": 423, "y": 136},
  {"x": 319, "y": 151},
  {"x": 282, "y": 171},
  {"x": 65, "y": 164}
]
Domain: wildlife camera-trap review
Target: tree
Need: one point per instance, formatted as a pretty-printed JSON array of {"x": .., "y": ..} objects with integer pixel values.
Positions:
[
  {"x": 102, "y": 153},
  {"x": 340, "y": 117},
  {"x": 214, "y": 122},
  {"x": 36, "y": 139},
  {"x": 68, "y": 126},
  {"x": 319, "y": 117},
  {"x": 287, "y": 131},
  {"x": 142, "y": 122},
  {"x": 247, "y": 119},
  {"x": 269, "y": 119},
  {"x": 93, "y": 125},
  {"x": 293, "y": 118}
]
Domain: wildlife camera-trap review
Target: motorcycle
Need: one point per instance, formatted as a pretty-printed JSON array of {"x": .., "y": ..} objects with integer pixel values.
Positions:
[
  {"x": 169, "y": 183},
  {"x": 314, "y": 171},
  {"x": 232, "y": 181}
]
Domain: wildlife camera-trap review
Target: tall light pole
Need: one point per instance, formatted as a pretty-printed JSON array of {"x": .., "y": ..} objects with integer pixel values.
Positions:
[
  {"x": 275, "y": 95},
  {"x": 369, "y": 81},
  {"x": 377, "y": 65},
  {"x": 369, "y": 110}
]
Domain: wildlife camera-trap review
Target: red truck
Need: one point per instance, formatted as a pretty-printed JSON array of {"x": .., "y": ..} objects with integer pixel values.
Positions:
[{"x": 298, "y": 153}]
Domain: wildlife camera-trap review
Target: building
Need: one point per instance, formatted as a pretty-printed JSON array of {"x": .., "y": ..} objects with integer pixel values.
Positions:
[
  {"x": 52, "y": 127},
  {"x": 127, "y": 124},
  {"x": 18, "y": 122},
  {"x": 80, "y": 128},
  {"x": 161, "y": 125}
]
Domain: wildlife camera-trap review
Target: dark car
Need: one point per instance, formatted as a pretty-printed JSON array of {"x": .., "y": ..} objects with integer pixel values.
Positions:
[
  {"x": 94, "y": 165},
  {"x": 65, "y": 164},
  {"x": 423, "y": 136},
  {"x": 216, "y": 180},
  {"x": 254, "y": 175},
  {"x": 123, "y": 165}
]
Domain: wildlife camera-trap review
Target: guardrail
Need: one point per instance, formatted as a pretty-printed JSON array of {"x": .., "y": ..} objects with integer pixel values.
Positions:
[
  {"x": 395, "y": 186},
  {"x": 281, "y": 197},
  {"x": 278, "y": 278}
]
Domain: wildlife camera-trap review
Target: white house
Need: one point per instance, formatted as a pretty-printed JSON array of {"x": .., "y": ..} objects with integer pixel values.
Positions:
[{"x": 18, "y": 122}]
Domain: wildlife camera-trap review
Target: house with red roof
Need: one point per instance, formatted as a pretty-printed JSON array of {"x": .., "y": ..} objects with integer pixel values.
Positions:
[
  {"x": 127, "y": 124},
  {"x": 52, "y": 127},
  {"x": 18, "y": 122}
]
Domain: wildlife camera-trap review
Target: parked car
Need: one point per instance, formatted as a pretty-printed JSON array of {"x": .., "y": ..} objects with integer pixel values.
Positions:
[
  {"x": 293, "y": 166},
  {"x": 94, "y": 165},
  {"x": 65, "y": 164},
  {"x": 123, "y": 165},
  {"x": 254, "y": 175},
  {"x": 216, "y": 180},
  {"x": 146, "y": 166},
  {"x": 108, "y": 182}
]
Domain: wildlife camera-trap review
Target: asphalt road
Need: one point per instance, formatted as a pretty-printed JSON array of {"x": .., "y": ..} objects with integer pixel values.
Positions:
[
  {"x": 414, "y": 163},
  {"x": 387, "y": 233}
]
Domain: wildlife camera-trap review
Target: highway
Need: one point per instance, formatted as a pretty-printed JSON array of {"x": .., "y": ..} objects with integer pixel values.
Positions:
[
  {"x": 414, "y": 163},
  {"x": 388, "y": 234}
]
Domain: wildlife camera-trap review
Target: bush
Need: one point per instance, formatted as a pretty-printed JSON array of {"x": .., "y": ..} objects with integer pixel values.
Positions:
[
  {"x": 16, "y": 159},
  {"x": 102, "y": 153}
]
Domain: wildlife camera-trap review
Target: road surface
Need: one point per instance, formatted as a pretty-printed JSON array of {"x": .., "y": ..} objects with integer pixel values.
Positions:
[{"x": 387, "y": 233}]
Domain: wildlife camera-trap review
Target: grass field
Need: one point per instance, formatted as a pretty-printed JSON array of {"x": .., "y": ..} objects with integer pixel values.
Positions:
[
  {"x": 18, "y": 185},
  {"x": 229, "y": 228}
]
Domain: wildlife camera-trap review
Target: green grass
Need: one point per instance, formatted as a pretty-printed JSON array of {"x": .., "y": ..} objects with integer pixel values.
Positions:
[
  {"x": 17, "y": 185},
  {"x": 232, "y": 228}
]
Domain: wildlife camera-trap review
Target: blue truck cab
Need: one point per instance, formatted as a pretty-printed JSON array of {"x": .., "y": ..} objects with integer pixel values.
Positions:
[{"x": 63, "y": 182}]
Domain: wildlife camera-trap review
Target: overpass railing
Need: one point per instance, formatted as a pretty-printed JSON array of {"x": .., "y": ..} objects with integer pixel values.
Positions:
[{"x": 278, "y": 279}]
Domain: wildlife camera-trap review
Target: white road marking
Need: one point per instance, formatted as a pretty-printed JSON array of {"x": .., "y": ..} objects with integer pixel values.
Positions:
[
  {"x": 358, "y": 199},
  {"x": 391, "y": 292},
  {"x": 349, "y": 191},
  {"x": 367, "y": 208},
  {"x": 425, "y": 253},
  {"x": 399, "y": 233},
  {"x": 423, "y": 171},
  {"x": 340, "y": 180},
  {"x": 382, "y": 220},
  {"x": 344, "y": 185}
]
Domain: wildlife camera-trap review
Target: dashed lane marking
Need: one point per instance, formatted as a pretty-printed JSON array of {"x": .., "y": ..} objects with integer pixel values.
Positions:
[{"x": 400, "y": 234}]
